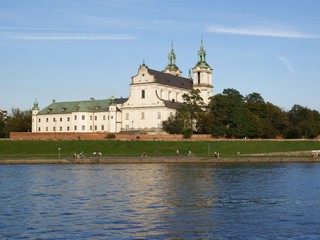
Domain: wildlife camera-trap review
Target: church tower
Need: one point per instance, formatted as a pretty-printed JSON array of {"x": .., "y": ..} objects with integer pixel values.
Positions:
[
  {"x": 202, "y": 76},
  {"x": 35, "y": 111},
  {"x": 112, "y": 115},
  {"x": 172, "y": 68}
]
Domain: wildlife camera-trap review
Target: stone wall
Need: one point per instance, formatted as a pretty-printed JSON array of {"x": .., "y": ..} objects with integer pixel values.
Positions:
[{"x": 100, "y": 136}]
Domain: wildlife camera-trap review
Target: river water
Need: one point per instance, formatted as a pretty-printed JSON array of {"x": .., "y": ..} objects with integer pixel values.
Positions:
[{"x": 160, "y": 201}]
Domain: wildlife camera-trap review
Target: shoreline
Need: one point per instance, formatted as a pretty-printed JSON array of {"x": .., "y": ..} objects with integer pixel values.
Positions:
[{"x": 158, "y": 159}]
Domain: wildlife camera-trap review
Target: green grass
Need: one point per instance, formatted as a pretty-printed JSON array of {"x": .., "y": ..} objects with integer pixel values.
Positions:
[{"x": 39, "y": 148}]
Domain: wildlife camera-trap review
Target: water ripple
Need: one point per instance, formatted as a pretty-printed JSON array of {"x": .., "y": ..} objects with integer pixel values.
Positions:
[{"x": 160, "y": 201}]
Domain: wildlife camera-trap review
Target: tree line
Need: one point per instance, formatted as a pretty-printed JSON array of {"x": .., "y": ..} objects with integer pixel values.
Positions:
[
  {"x": 232, "y": 115},
  {"x": 17, "y": 121},
  {"x": 228, "y": 115}
]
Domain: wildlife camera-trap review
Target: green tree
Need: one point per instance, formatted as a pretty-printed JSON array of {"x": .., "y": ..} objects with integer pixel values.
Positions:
[
  {"x": 2, "y": 130},
  {"x": 173, "y": 125},
  {"x": 273, "y": 122},
  {"x": 192, "y": 108},
  {"x": 204, "y": 123},
  {"x": 229, "y": 113},
  {"x": 186, "y": 117},
  {"x": 254, "y": 98},
  {"x": 304, "y": 123},
  {"x": 18, "y": 121}
]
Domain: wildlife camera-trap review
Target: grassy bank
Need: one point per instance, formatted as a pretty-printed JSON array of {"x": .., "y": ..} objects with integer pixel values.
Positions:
[{"x": 50, "y": 149}]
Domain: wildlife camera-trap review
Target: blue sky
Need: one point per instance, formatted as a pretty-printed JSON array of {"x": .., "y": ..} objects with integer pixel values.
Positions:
[{"x": 71, "y": 50}]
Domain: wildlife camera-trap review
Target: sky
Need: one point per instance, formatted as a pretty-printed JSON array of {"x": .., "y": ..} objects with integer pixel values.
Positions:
[{"x": 71, "y": 50}]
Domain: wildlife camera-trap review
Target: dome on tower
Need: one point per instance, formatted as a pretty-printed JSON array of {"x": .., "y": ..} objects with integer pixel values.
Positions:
[
  {"x": 202, "y": 58},
  {"x": 35, "y": 105},
  {"x": 172, "y": 68}
]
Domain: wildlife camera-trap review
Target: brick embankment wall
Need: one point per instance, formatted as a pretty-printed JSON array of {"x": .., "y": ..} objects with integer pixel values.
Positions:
[
  {"x": 135, "y": 136},
  {"x": 100, "y": 136}
]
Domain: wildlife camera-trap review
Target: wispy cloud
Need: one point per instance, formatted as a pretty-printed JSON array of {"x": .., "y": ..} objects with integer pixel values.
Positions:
[
  {"x": 288, "y": 65},
  {"x": 64, "y": 36},
  {"x": 262, "y": 32}
]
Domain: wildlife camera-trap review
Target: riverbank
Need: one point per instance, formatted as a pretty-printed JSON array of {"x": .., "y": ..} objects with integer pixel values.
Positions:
[
  {"x": 130, "y": 160},
  {"x": 65, "y": 149}
]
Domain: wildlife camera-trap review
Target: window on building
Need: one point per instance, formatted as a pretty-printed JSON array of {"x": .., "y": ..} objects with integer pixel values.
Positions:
[
  {"x": 83, "y": 127},
  {"x": 68, "y": 128},
  {"x": 47, "y": 119},
  {"x": 39, "y": 119},
  {"x": 47, "y": 129},
  {"x": 127, "y": 116},
  {"x": 143, "y": 94},
  {"x": 54, "y": 129},
  {"x": 39, "y": 129},
  {"x": 198, "y": 77},
  {"x": 75, "y": 117},
  {"x": 75, "y": 127},
  {"x": 54, "y": 119},
  {"x": 127, "y": 127},
  {"x": 102, "y": 127},
  {"x": 68, "y": 119},
  {"x": 159, "y": 115},
  {"x": 60, "y": 129},
  {"x": 83, "y": 117},
  {"x": 90, "y": 118},
  {"x": 95, "y": 127},
  {"x": 104, "y": 117},
  {"x": 142, "y": 115},
  {"x": 61, "y": 119},
  {"x": 95, "y": 118},
  {"x": 90, "y": 127}
]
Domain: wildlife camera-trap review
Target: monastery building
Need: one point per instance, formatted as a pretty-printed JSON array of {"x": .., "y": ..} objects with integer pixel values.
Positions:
[{"x": 154, "y": 96}]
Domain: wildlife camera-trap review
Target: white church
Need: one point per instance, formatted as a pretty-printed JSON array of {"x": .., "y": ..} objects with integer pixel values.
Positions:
[{"x": 154, "y": 96}]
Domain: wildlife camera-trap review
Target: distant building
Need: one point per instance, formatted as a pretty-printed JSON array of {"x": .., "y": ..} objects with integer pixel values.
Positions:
[
  {"x": 3, "y": 115},
  {"x": 154, "y": 96}
]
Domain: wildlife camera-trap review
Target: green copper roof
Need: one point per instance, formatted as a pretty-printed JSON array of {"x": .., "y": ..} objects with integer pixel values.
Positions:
[
  {"x": 77, "y": 106},
  {"x": 172, "y": 61},
  {"x": 202, "y": 57},
  {"x": 35, "y": 105}
]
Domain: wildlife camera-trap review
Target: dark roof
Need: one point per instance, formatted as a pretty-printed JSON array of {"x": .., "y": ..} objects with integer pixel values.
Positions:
[
  {"x": 174, "y": 105},
  {"x": 171, "y": 80},
  {"x": 121, "y": 100}
]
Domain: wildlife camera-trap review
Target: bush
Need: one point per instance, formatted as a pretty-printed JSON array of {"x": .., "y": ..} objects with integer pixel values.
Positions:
[
  {"x": 187, "y": 133},
  {"x": 110, "y": 136}
]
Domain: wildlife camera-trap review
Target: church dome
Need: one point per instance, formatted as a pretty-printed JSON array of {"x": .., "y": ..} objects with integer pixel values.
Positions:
[{"x": 202, "y": 58}]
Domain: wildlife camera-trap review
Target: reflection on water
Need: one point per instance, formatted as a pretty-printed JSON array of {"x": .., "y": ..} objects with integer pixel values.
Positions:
[{"x": 160, "y": 201}]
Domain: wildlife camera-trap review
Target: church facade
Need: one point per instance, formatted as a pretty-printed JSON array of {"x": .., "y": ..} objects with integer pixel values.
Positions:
[{"x": 154, "y": 96}]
